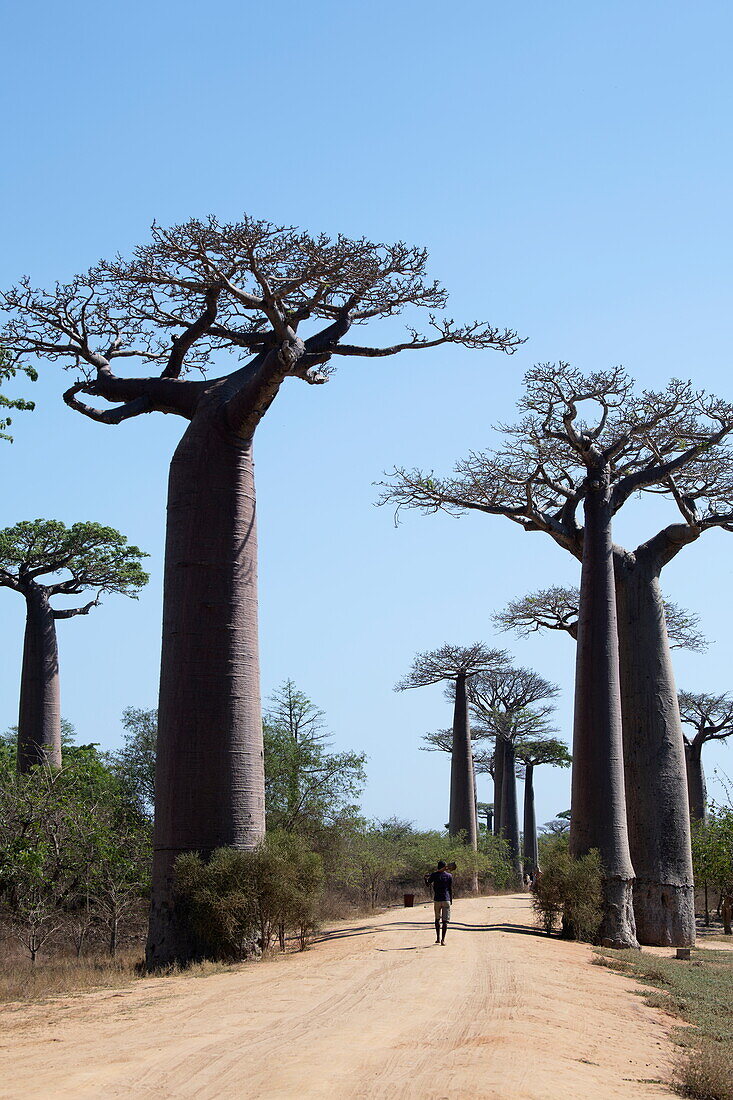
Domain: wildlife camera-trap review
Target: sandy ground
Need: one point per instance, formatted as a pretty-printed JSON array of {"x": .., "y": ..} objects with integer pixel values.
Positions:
[{"x": 374, "y": 1010}]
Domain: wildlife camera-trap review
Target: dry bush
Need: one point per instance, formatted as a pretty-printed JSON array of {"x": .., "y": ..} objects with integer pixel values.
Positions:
[{"x": 705, "y": 1073}]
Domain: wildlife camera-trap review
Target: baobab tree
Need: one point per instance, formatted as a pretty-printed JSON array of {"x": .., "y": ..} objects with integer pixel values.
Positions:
[
  {"x": 673, "y": 442},
  {"x": 9, "y": 370},
  {"x": 82, "y": 558},
  {"x": 457, "y": 664},
  {"x": 711, "y": 717},
  {"x": 282, "y": 301},
  {"x": 531, "y": 752},
  {"x": 504, "y": 701},
  {"x": 556, "y": 608}
]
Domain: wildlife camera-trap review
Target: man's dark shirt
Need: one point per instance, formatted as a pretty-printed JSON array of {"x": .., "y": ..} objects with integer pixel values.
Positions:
[{"x": 442, "y": 883}]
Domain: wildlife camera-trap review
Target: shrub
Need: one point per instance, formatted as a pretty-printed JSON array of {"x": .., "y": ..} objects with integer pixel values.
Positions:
[
  {"x": 705, "y": 1074},
  {"x": 239, "y": 901},
  {"x": 571, "y": 890}
]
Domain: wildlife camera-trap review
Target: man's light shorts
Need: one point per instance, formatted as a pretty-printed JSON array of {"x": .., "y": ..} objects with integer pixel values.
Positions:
[{"x": 442, "y": 910}]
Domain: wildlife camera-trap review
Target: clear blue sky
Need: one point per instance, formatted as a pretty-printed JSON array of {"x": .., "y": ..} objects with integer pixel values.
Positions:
[{"x": 568, "y": 167}]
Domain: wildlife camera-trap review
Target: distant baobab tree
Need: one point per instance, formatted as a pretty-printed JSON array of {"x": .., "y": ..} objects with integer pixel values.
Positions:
[
  {"x": 279, "y": 302},
  {"x": 711, "y": 717},
  {"x": 42, "y": 559},
  {"x": 532, "y": 752},
  {"x": 458, "y": 665},
  {"x": 556, "y": 608},
  {"x": 504, "y": 700}
]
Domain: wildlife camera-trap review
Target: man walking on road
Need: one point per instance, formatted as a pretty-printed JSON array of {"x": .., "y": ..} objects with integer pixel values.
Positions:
[{"x": 442, "y": 884}]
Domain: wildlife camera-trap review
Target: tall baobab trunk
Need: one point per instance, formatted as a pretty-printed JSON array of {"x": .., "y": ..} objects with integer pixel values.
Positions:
[
  {"x": 209, "y": 773},
  {"x": 510, "y": 814},
  {"x": 598, "y": 818},
  {"x": 696, "y": 788},
  {"x": 529, "y": 840},
  {"x": 498, "y": 784},
  {"x": 654, "y": 761},
  {"x": 39, "y": 719},
  {"x": 462, "y": 816}
]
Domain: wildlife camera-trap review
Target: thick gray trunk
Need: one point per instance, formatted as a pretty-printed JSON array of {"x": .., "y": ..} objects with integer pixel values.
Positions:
[
  {"x": 498, "y": 784},
  {"x": 462, "y": 816},
  {"x": 696, "y": 789},
  {"x": 510, "y": 813},
  {"x": 654, "y": 762},
  {"x": 39, "y": 718},
  {"x": 530, "y": 822},
  {"x": 209, "y": 772},
  {"x": 598, "y": 818}
]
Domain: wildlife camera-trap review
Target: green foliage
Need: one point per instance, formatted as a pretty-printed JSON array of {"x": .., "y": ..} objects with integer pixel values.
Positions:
[
  {"x": 238, "y": 899},
  {"x": 712, "y": 849},
  {"x": 392, "y": 853},
  {"x": 87, "y": 555},
  {"x": 70, "y": 842},
  {"x": 135, "y": 761},
  {"x": 306, "y": 785},
  {"x": 570, "y": 889},
  {"x": 8, "y": 370}
]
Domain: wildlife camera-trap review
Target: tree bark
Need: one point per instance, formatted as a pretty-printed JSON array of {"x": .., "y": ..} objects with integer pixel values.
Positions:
[
  {"x": 598, "y": 818},
  {"x": 498, "y": 785},
  {"x": 209, "y": 771},
  {"x": 510, "y": 813},
  {"x": 696, "y": 788},
  {"x": 654, "y": 761},
  {"x": 39, "y": 718},
  {"x": 462, "y": 816},
  {"x": 530, "y": 822}
]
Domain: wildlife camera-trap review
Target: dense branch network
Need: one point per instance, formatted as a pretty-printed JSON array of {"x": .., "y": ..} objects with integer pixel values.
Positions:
[
  {"x": 674, "y": 441},
  {"x": 281, "y": 299},
  {"x": 556, "y": 608}
]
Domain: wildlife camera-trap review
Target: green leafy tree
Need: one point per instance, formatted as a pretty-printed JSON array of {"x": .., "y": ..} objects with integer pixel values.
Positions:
[
  {"x": 307, "y": 786},
  {"x": 712, "y": 853},
  {"x": 82, "y": 558},
  {"x": 68, "y": 838},
  {"x": 135, "y": 761}
]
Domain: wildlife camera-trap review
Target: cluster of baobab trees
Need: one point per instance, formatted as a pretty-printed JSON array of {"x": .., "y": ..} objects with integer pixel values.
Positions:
[
  {"x": 583, "y": 447},
  {"x": 508, "y": 706},
  {"x": 276, "y": 304}
]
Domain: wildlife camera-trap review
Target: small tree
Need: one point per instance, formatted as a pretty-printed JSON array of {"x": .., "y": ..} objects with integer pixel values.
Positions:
[
  {"x": 135, "y": 761},
  {"x": 84, "y": 557},
  {"x": 457, "y": 664},
  {"x": 306, "y": 785},
  {"x": 711, "y": 717}
]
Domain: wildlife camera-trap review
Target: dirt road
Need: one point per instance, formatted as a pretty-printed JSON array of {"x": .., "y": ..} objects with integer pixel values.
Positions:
[{"x": 374, "y": 1010}]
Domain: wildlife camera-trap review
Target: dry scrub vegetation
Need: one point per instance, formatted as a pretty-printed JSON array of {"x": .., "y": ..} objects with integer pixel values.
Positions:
[{"x": 700, "y": 992}]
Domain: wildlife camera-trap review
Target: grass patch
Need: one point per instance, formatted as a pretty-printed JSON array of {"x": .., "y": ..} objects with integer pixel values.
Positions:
[
  {"x": 22, "y": 981},
  {"x": 700, "y": 992}
]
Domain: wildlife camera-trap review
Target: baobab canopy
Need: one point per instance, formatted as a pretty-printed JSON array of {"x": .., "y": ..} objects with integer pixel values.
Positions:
[{"x": 205, "y": 287}]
